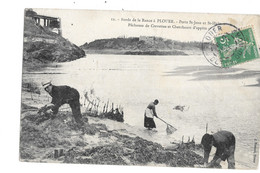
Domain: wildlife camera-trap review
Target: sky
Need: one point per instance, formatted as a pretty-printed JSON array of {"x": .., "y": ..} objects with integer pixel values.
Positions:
[{"x": 81, "y": 26}]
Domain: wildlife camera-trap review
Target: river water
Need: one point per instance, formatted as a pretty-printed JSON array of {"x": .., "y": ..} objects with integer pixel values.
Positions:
[{"x": 226, "y": 99}]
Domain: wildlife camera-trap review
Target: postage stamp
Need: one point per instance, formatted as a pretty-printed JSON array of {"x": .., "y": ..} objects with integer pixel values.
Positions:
[
  {"x": 225, "y": 45},
  {"x": 236, "y": 47}
]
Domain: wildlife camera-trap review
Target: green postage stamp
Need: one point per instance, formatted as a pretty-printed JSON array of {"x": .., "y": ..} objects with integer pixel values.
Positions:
[{"x": 237, "y": 47}]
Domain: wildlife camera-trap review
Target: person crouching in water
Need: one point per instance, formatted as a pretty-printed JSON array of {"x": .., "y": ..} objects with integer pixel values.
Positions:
[
  {"x": 64, "y": 94},
  {"x": 225, "y": 142},
  {"x": 149, "y": 114}
]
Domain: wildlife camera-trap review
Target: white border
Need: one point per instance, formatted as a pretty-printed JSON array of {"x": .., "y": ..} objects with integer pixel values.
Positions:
[{"x": 11, "y": 69}]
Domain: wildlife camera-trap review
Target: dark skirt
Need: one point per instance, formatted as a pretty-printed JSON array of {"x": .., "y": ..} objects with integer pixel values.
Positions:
[{"x": 149, "y": 122}]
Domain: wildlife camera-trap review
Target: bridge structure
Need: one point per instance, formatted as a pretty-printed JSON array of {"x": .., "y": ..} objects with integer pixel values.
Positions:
[{"x": 52, "y": 23}]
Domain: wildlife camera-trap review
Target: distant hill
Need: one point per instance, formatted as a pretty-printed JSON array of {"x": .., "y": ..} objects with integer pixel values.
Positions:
[
  {"x": 44, "y": 46},
  {"x": 142, "y": 46}
]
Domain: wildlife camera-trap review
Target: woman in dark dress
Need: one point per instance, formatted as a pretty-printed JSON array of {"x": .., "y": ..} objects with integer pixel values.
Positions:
[{"x": 149, "y": 114}]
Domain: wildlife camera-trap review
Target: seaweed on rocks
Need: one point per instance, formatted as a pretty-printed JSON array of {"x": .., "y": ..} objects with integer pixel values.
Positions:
[
  {"x": 135, "y": 151},
  {"x": 51, "y": 133},
  {"x": 109, "y": 154},
  {"x": 93, "y": 144}
]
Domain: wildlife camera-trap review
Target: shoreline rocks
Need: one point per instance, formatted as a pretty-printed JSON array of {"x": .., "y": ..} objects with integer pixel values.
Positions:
[
  {"x": 93, "y": 144},
  {"x": 42, "y": 46}
]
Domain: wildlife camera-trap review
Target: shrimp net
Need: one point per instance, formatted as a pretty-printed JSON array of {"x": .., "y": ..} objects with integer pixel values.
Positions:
[{"x": 170, "y": 129}]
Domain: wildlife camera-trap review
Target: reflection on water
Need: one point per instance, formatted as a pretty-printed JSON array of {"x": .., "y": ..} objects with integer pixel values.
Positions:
[{"x": 219, "y": 97}]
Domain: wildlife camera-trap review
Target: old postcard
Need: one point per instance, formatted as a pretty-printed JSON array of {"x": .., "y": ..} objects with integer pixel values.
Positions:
[{"x": 140, "y": 88}]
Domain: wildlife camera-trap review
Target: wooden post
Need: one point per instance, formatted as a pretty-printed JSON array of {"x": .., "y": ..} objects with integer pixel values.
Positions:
[
  {"x": 56, "y": 154},
  {"x": 94, "y": 104},
  {"x": 193, "y": 141},
  {"x": 61, "y": 153},
  {"x": 255, "y": 144},
  {"x": 207, "y": 128},
  {"x": 112, "y": 107},
  {"x": 182, "y": 139},
  {"x": 91, "y": 106},
  {"x": 188, "y": 139},
  {"x": 88, "y": 105},
  {"x": 97, "y": 106},
  {"x": 122, "y": 110},
  {"x": 119, "y": 109},
  {"x": 104, "y": 108},
  {"x": 107, "y": 105}
]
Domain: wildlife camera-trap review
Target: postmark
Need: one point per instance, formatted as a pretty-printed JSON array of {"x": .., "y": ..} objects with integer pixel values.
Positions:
[{"x": 209, "y": 46}]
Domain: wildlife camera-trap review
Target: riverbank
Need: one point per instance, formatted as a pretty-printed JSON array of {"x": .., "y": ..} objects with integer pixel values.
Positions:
[
  {"x": 142, "y": 46},
  {"x": 136, "y": 52},
  {"x": 42, "y": 46},
  {"x": 98, "y": 141}
]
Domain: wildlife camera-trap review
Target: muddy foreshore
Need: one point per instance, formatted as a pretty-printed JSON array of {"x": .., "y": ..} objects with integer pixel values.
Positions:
[{"x": 62, "y": 140}]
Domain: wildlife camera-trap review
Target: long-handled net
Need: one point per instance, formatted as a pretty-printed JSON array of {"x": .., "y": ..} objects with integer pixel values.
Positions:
[{"x": 169, "y": 129}]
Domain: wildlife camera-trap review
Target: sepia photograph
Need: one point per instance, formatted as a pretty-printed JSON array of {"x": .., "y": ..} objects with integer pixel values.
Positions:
[
  {"x": 140, "y": 88},
  {"x": 130, "y": 86}
]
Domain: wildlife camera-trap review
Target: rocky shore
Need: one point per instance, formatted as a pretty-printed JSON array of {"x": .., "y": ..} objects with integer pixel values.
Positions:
[
  {"x": 142, "y": 46},
  {"x": 98, "y": 141},
  {"x": 42, "y": 46}
]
